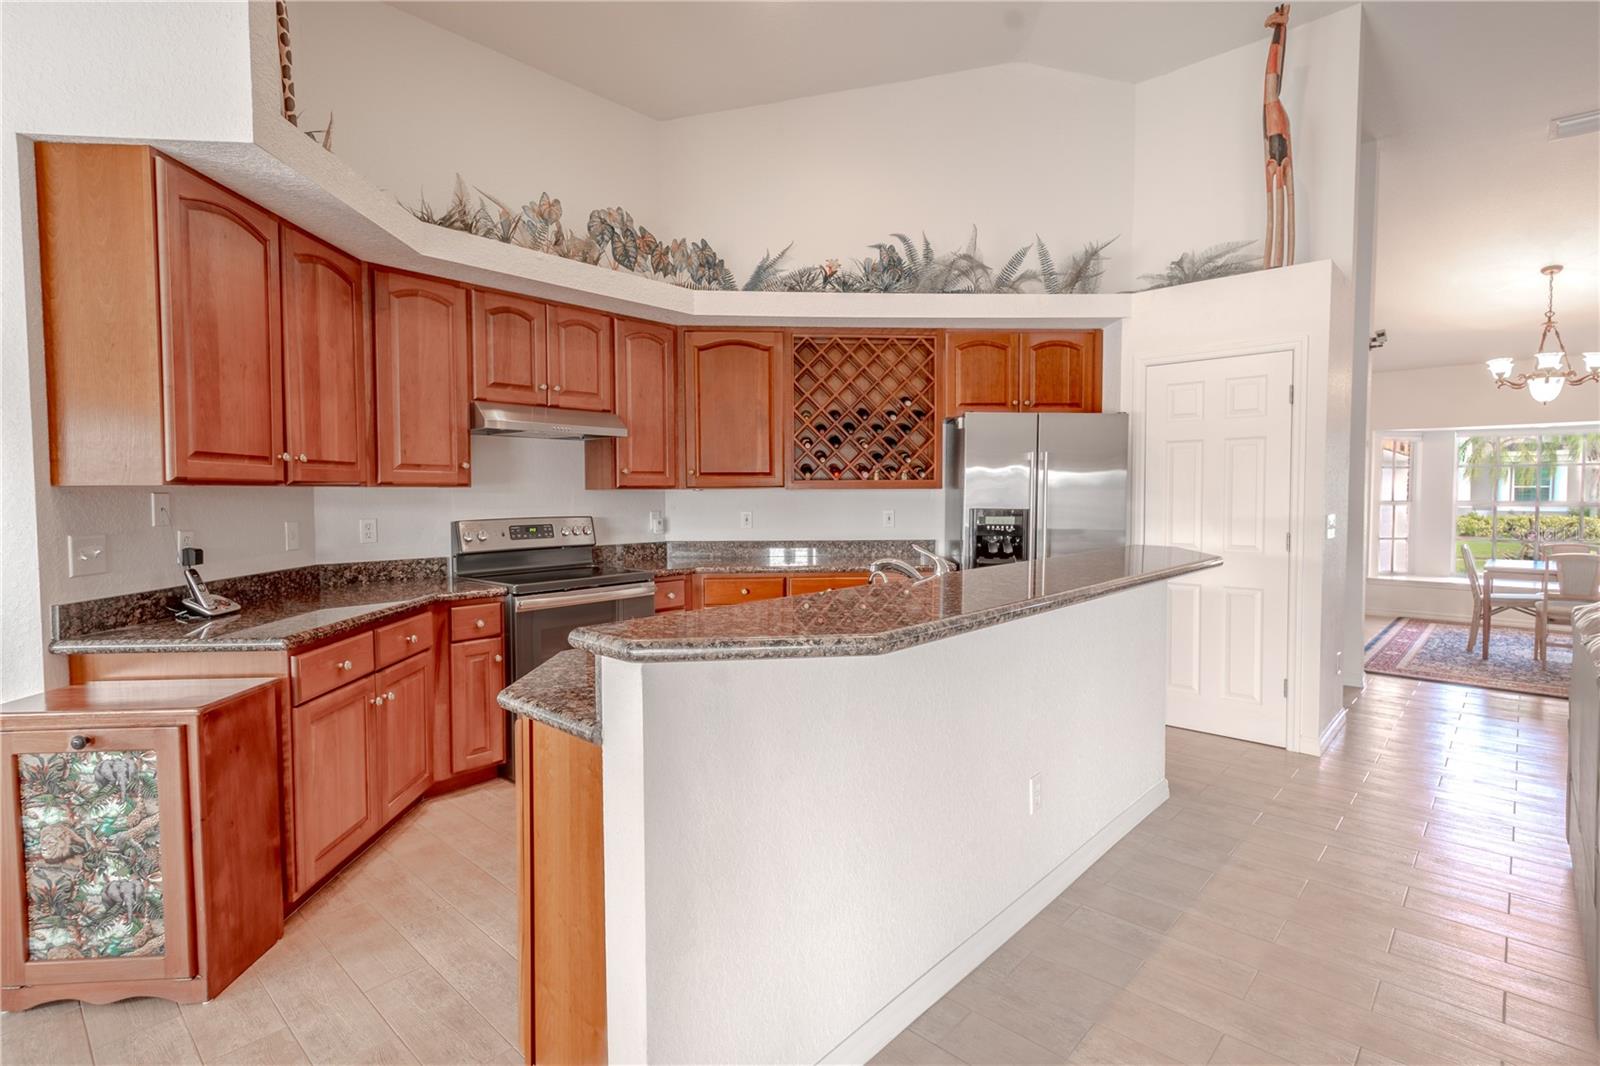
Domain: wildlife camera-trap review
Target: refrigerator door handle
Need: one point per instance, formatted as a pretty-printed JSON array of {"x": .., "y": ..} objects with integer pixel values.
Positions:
[
  {"x": 1030, "y": 536},
  {"x": 1042, "y": 512}
]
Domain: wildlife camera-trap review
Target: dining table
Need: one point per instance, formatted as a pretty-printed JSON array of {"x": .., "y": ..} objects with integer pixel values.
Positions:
[{"x": 1521, "y": 571}]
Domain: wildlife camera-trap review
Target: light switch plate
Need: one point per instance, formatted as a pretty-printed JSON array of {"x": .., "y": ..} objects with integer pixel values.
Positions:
[
  {"x": 291, "y": 536},
  {"x": 888, "y": 519},
  {"x": 161, "y": 508},
  {"x": 658, "y": 522},
  {"x": 747, "y": 520},
  {"x": 86, "y": 554}
]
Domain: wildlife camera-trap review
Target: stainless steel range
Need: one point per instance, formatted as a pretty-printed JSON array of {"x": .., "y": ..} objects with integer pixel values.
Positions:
[{"x": 548, "y": 564}]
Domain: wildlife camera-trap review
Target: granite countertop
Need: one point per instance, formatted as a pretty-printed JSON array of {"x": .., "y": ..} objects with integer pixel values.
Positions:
[
  {"x": 558, "y": 692},
  {"x": 296, "y": 617},
  {"x": 876, "y": 619}
]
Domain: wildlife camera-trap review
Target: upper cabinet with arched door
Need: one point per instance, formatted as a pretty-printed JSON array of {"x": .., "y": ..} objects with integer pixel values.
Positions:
[{"x": 420, "y": 346}]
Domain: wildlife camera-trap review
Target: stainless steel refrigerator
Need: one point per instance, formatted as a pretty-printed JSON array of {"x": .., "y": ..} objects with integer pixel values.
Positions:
[{"x": 1032, "y": 486}]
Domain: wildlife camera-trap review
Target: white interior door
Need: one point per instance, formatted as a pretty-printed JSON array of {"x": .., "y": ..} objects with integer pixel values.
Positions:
[{"x": 1216, "y": 455}]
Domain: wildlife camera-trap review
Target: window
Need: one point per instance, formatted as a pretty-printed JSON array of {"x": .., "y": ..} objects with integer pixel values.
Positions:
[
  {"x": 1517, "y": 490},
  {"x": 1394, "y": 504}
]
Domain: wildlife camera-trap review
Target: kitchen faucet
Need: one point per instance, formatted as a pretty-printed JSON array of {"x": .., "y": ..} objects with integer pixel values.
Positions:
[{"x": 881, "y": 568}]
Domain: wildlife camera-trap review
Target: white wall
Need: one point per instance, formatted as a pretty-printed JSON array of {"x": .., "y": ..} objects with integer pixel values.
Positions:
[
  {"x": 863, "y": 838},
  {"x": 511, "y": 477},
  {"x": 1449, "y": 397},
  {"x": 1309, "y": 309},
  {"x": 1018, "y": 150},
  {"x": 1197, "y": 166},
  {"x": 414, "y": 105},
  {"x": 137, "y": 71},
  {"x": 784, "y": 514}
]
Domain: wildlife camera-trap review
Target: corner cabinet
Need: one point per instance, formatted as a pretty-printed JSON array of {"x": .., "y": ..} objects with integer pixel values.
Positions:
[
  {"x": 736, "y": 385},
  {"x": 1057, "y": 372},
  {"x": 422, "y": 356},
  {"x": 222, "y": 362},
  {"x": 647, "y": 402}
]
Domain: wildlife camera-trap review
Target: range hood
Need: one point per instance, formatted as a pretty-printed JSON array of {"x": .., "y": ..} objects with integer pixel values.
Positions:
[{"x": 548, "y": 423}]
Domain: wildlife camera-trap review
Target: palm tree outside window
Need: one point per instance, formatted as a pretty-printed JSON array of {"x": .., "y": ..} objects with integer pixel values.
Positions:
[{"x": 1516, "y": 490}]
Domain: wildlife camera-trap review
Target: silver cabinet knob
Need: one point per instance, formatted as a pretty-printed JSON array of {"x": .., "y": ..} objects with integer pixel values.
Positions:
[
  {"x": 465, "y": 465},
  {"x": 377, "y": 701},
  {"x": 411, "y": 638},
  {"x": 346, "y": 665},
  {"x": 625, "y": 470},
  {"x": 285, "y": 456},
  {"x": 303, "y": 457},
  {"x": 497, "y": 658},
  {"x": 557, "y": 388},
  {"x": 389, "y": 695},
  {"x": 744, "y": 592},
  {"x": 543, "y": 387},
  {"x": 691, "y": 473},
  {"x": 1027, "y": 403},
  {"x": 672, "y": 595},
  {"x": 479, "y": 624}
]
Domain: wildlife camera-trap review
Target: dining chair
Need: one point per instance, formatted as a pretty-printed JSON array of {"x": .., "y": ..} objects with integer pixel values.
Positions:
[
  {"x": 1490, "y": 603},
  {"x": 1574, "y": 547},
  {"x": 1577, "y": 582}
]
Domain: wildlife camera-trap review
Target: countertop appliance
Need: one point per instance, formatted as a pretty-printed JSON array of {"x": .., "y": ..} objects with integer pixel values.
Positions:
[
  {"x": 1021, "y": 487},
  {"x": 555, "y": 585},
  {"x": 201, "y": 601}
]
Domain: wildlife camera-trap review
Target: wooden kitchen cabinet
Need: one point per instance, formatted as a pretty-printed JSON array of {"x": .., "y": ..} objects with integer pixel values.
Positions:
[
  {"x": 805, "y": 584},
  {"x": 735, "y": 406},
  {"x": 1055, "y": 372},
  {"x": 982, "y": 372},
  {"x": 719, "y": 590},
  {"x": 222, "y": 356},
  {"x": 477, "y": 724},
  {"x": 672, "y": 594},
  {"x": 336, "y": 769},
  {"x": 141, "y": 841},
  {"x": 647, "y": 402},
  {"x": 1061, "y": 372},
  {"x": 580, "y": 356},
  {"x": 509, "y": 345},
  {"x": 403, "y": 696},
  {"x": 327, "y": 365},
  {"x": 421, "y": 352}
]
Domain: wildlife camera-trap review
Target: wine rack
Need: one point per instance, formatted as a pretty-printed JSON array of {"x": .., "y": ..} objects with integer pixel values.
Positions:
[{"x": 866, "y": 410}]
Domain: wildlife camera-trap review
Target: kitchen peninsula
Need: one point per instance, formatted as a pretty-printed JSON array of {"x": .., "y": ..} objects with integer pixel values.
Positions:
[{"x": 821, "y": 812}]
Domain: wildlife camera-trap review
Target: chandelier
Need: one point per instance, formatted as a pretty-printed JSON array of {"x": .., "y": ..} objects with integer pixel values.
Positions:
[{"x": 1552, "y": 369}]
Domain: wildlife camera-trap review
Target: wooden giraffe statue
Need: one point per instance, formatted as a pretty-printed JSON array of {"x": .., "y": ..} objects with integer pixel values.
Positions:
[{"x": 1278, "y": 250}]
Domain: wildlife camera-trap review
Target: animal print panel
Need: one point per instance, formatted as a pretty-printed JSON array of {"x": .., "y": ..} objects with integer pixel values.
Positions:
[{"x": 91, "y": 846}]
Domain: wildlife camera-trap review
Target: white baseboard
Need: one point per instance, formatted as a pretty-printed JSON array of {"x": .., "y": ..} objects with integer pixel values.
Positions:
[
  {"x": 945, "y": 974},
  {"x": 1331, "y": 730}
]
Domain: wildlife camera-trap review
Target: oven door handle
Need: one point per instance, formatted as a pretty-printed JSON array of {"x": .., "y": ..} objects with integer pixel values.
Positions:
[{"x": 545, "y": 601}]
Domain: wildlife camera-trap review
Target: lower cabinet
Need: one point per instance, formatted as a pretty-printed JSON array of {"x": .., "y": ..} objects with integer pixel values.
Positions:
[
  {"x": 477, "y": 724},
  {"x": 140, "y": 843},
  {"x": 404, "y": 713},
  {"x": 721, "y": 590},
  {"x": 336, "y": 758}
]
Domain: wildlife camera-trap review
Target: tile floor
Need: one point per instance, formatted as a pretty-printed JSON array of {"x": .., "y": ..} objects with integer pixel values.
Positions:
[
  {"x": 1405, "y": 899},
  {"x": 408, "y": 956}
]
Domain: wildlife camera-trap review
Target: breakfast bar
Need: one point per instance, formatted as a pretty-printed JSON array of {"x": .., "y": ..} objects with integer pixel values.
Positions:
[{"x": 724, "y": 808}]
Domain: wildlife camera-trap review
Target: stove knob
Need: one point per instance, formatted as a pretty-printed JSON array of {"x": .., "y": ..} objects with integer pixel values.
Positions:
[
  {"x": 587, "y": 531},
  {"x": 483, "y": 534},
  {"x": 565, "y": 532}
]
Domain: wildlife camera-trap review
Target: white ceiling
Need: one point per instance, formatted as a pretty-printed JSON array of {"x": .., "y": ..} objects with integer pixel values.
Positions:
[{"x": 669, "y": 59}]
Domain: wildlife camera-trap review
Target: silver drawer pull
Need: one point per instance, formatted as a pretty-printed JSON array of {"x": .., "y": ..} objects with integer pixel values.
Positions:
[
  {"x": 346, "y": 665},
  {"x": 411, "y": 638},
  {"x": 479, "y": 624},
  {"x": 672, "y": 595}
]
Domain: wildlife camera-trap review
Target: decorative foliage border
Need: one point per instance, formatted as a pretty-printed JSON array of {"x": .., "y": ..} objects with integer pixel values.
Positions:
[{"x": 613, "y": 240}]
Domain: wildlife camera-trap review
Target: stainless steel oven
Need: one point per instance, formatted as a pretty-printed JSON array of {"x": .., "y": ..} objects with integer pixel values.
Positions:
[{"x": 540, "y": 622}]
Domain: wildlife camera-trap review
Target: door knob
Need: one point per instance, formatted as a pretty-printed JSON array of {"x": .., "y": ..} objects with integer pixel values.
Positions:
[{"x": 79, "y": 742}]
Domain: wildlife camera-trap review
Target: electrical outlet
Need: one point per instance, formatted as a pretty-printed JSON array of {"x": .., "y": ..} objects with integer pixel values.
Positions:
[
  {"x": 161, "y": 508},
  {"x": 367, "y": 531},
  {"x": 1035, "y": 793},
  {"x": 86, "y": 554},
  {"x": 291, "y": 536},
  {"x": 1333, "y": 526},
  {"x": 888, "y": 519},
  {"x": 185, "y": 539},
  {"x": 658, "y": 522},
  {"x": 747, "y": 520}
]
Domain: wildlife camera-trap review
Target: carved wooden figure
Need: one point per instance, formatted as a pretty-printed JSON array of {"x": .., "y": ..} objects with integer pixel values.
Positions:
[{"x": 1278, "y": 249}]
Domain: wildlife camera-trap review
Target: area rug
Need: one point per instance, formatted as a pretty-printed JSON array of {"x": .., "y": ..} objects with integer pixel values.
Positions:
[{"x": 1437, "y": 651}]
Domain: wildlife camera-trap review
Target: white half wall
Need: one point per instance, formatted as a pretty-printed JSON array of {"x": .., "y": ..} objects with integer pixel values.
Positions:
[
  {"x": 1197, "y": 164},
  {"x": 803, "y": 854}
]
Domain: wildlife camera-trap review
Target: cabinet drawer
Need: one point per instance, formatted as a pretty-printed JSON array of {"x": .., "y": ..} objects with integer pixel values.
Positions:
[
  {"x": 408, "y": 636},
  {"x": 475, "y": 620},
  {"x": 325, "y": 669},
  {"x": 724, "y": 589},
  {"x": 672, "y": 594},
  {"x": 804, "y": 584}
]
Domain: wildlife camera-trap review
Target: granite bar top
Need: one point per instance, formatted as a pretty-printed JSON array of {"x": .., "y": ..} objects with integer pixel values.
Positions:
[
  {"x": 283, "y": 620},
  {"x": 877, "y": 619},
  {"x": 559, "y": 692}
]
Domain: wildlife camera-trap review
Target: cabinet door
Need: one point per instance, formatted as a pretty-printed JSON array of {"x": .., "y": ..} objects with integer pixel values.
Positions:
[
  {"x": 647, "y": 394},
  {"x": 335, "y": 755},
  {"x": 327, "y": 364},
  {"x": 404, "y": 716},
  {"x": 221, "y": 332},
  {"x": 96, "y": 855},
  {"x": 508, "y": 348},
  {"x": 981, "y": 372},
  {"x": 1061, "y": 372},
  {"x": 580, "y": 360},
  {"x": 734, "y": 390},
  {"x": 420, "y": 341},
  {"x": 477, "y": 724}
]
